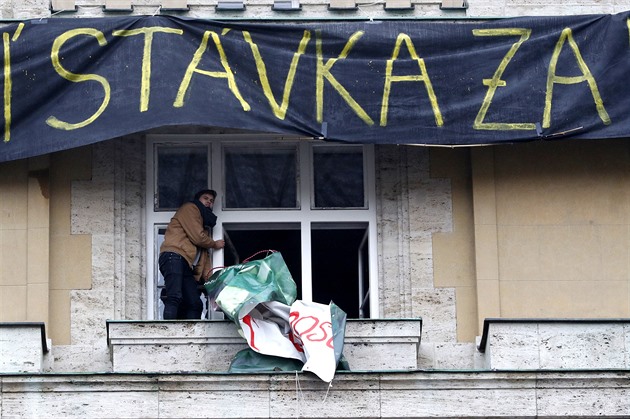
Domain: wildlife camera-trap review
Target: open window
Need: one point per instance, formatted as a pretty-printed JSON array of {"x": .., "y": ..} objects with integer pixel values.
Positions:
[
  {"x": 340, "y": 273},
  {"x": 338, "y": 253}
]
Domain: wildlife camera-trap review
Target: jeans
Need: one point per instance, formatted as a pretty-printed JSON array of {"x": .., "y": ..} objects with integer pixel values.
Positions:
[{"x": 181, "y": 294}]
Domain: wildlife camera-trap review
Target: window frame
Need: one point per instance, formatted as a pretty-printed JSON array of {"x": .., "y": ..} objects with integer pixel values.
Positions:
[{"x": 306, "y": 216}]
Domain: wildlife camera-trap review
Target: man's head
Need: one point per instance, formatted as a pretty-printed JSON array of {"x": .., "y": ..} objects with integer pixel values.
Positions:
[{"x": 206, "y": 197}]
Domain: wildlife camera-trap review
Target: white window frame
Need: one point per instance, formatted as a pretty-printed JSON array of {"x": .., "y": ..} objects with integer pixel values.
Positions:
[{"x": 305, "y": 215}]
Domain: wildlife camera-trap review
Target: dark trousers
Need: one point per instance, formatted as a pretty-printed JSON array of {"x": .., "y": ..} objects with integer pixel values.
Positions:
[{"x": 181, "y": 292}]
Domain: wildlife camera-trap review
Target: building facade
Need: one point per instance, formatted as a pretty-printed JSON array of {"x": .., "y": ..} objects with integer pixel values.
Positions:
[{"x": 516, "y": 257}]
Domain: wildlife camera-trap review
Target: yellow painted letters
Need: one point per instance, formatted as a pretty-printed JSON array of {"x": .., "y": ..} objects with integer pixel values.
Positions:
[
  {"x": 192, "y": 68},
  {"x": 77, "y": 78},
  {"x": 145, "y": 87},
  {"x": 422, "y": 77},
  {"x": 8, "y": 83},
  {"x": 552, "y": 78},
  {"x": 496, "y": 82},
  {"x": 7, "y": 87},
  {"x": 323, "y": 72},
  {"x": 279, "y": 111}
]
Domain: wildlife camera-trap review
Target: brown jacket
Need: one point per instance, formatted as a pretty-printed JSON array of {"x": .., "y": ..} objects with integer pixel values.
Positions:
[{"x": 185, "y": 234}]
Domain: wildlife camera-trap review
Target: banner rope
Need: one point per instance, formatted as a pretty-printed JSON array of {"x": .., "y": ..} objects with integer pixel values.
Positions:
[
  {"x": 259, "y": 252},
  {"x": 298, "y": 391},
  {"x": 268, "y": 251},
  {"x": 327, "y": 390}
]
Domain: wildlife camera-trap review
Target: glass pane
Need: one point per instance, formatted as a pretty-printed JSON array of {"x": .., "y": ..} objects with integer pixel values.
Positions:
[
  {"x": 181, "y": 172},
  {"x": 338, "y": 177},
  {"x": 260, "y": 178}
]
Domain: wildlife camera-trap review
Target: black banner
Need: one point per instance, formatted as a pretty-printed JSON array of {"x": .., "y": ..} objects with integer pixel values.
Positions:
[{"x": 71, "y": 82}]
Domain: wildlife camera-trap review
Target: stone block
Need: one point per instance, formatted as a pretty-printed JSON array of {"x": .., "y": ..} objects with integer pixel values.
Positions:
[
  {"x": 173, "y": 346},
  {"x": 512, "y": 346},
  {"x": 23, "y": 347},
  {"x": 372, "y": 345},
  {"x": 474, "y": 396},
  {"x": 556, "y": 344}
]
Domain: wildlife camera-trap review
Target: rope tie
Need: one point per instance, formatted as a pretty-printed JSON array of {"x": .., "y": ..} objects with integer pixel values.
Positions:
[
  {"x": 259, "y": 252},
  {"x": 298, "y": 392}
]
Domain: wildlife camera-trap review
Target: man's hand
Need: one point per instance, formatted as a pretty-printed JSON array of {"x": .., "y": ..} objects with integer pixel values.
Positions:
[{"x": 219, "y": 244}]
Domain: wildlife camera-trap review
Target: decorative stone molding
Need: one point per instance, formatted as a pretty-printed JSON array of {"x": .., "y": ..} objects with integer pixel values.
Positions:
[{"x": 412, "y": 394}]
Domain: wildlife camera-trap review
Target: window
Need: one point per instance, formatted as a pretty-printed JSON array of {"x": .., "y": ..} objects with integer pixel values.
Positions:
[{"x": 312, "y": 201}]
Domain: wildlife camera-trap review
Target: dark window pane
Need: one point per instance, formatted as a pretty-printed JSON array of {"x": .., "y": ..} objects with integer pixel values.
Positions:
[
  {"x": 263, "y": 178},
  {"x": 338, "y": 177},
  {"x": 336, "y": 270},
  {"x": 181, "y": 172}
]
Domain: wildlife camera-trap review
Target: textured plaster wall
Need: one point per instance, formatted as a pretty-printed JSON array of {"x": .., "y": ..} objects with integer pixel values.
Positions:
[
  {"x": 24, "y": 240},
  {"x": 453, "y": 249},
  {"x": 552, "y": 225},
  {"x": 13, "y": 239}
]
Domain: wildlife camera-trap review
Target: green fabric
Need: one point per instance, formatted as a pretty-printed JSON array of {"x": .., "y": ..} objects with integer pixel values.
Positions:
[
  {"x": 251, "y": 283},
  {"x": 249, "y": 361},
  {"x": 238, "y": 289},
  {"x": 338, "y": 323}
]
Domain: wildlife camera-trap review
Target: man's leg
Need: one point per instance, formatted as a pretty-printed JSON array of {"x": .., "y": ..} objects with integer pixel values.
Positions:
[
  {"x": 173, "y": 273},
  {"x": 192, "y": 305}
]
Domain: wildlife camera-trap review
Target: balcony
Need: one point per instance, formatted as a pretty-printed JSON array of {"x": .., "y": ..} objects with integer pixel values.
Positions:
[{"x": 209, "y": 346}]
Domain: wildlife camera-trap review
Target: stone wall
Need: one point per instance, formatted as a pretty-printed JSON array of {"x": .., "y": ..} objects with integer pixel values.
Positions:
[
  {"x": 411, "y": 206},
  {"x": 109, "y": 208}
]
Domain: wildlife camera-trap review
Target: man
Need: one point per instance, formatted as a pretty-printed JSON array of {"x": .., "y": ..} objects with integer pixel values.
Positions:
[{"x": 184, "y": 260}]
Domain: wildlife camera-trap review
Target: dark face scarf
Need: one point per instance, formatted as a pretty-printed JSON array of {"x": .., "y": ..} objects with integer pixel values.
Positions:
[{"x": 209, "y": 219}]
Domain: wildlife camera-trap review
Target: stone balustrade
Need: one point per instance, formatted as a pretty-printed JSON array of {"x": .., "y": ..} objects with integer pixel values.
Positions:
[
  {"x": 530, "y": 368},
  {"x": 370, "y": 345},
  {"x": 209, "y": 346}
]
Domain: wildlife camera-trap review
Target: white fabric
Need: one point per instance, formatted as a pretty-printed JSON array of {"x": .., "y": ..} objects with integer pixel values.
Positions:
[{"x": 302, "y": 331}]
